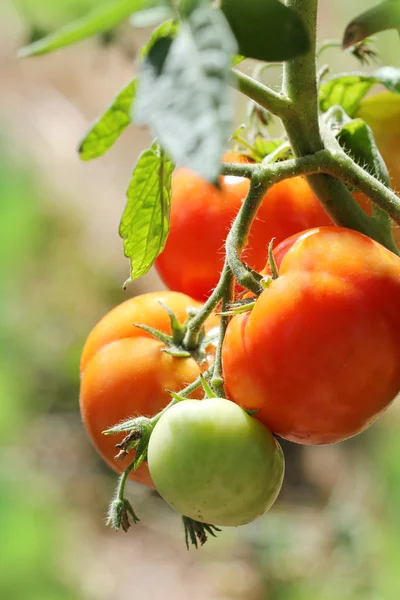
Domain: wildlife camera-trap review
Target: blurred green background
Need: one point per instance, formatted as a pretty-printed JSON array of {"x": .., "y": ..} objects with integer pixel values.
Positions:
[{"x": 333, "y": 534}]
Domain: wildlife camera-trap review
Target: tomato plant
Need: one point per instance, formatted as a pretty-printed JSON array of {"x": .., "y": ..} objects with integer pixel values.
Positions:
[
  {"x": 125, "y": 373},
  {"x": 214, "y": 463},
  {"x": 319, "y": 356},
  {"x": 317, "y": 352}
]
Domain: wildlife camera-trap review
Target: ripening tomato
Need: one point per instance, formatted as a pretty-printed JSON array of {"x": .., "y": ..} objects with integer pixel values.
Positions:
[
  {"x": 214, "y": 463},
  {"x": 319, "y": 355},
  {"x": 382, "y": 113},
  {"x": 201, "y": 217},
  {"x": 124, "y": 372}
]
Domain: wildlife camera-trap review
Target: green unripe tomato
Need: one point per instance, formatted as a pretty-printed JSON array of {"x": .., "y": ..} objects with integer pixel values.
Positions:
[{"x": 212, "y": 462}]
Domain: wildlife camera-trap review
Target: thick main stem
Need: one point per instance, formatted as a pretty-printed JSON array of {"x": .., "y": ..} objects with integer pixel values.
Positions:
[
  {"x": 300, "y": 85},
  {"x": 303, "y": 130}
]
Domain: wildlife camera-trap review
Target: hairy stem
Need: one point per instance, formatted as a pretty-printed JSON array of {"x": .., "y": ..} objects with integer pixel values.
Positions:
[
  {"x": 303, "y": 130},
  {"x": 217, "y": 380},
  {"x": 198, "y": 320},
  {"x": 339, "y": 164},
  {"x": 237, "y": 237},
  {"x": 277, "y": 104}
]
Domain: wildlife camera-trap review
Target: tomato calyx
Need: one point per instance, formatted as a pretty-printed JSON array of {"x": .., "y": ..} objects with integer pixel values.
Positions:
[
  {"x": 238, "y": 307},
  {"x": 174, "y": 344},
  {"x": 272, "y": 265},
  {"x": 120, "y": 513},
  {"x": 139, "y": 430},
  {"x": 196, "y": 532}
]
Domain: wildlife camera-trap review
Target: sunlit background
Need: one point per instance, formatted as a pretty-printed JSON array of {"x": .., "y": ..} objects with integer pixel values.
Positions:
[{"x": 334, "y": 534}]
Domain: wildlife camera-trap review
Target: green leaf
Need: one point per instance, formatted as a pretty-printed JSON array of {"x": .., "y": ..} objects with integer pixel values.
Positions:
[
  {"x": 145, "y": 222},
  {"x": 97, "y": 21},
  {"x": 263, "y": 148},
  {"x": 266, "y": 29},
  {"x": 385, "y": 15},
  {"x": 106, "y": 130},
  {"x": 184, "y": 93},
  {"x": 348, "y": 90},
  {"x": 357, "y": 139},
  {"x": 168, "y": 29}
]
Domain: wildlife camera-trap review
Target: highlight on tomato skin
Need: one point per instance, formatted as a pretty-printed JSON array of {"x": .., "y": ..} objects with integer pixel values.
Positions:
[
  {"x": 319, "y": 355},
  {"x": 124, "y": 372},
  {"x": 214, "y": 463}
]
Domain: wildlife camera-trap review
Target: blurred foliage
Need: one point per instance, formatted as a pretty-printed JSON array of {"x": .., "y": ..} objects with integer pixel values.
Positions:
[{"x": 50, "y": 14}]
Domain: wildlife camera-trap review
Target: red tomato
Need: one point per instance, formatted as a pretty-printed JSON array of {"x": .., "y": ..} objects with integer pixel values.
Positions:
[
  {"x": 124, "y": 372},
  {"x": 319, "y": 355},
  {"x": 201, "y": 217}
]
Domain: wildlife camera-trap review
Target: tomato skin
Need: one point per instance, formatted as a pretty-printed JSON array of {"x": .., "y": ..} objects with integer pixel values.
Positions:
[
  {"x": 319, "y": 355},
  {"x": 124, "y": 373},
  {"x": 201, "y": 217},
  {"x": 214, "y": 463}
]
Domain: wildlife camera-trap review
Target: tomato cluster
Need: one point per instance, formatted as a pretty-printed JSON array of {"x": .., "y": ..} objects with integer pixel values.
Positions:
[{"x": 315, "y": 360}]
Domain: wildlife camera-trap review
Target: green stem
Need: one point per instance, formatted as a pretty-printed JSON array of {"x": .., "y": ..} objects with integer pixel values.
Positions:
[
  {"x": 338, "y": 164},
  {"x": 217, "y": 380},
  {"x": 198, "y": 320},
  {"x": 300, "y": 85},
  {"x": 326, "y": 45},
  {"x": 238, "y": 235},
  {"x": 277, "y": 104},
  {"x": 238, "y": 169},
  {"x": 303, "y": 130},
  {"x": 120, "y": 492}
]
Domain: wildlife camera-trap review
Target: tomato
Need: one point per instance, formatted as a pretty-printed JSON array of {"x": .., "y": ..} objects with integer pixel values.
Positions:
[
  {"x": 319, "y": 355},
  {"x": 382, "y": 113},
  {"x": 201, "y": 217},
  {"x": 124, "y": 372},
  {"x": 214, "y": 463}
]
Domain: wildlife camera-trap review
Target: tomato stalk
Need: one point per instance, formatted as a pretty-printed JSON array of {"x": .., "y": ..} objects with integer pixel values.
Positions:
[
  {"x": 196, "y": 323},
  {"x": 239, "y": 232},
  {"x": 217, "y": 380},
  {"x": 121, "y": 510}
]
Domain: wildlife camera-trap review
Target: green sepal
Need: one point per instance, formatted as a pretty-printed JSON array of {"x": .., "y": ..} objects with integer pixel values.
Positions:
[
  {"x": 271, "y": 260},
  {"x": 176, "y": 396},
  {"x": 159, "y": 335},
  {"x": 237, "y": 310},
  {"x": 207, "y": 388},
  {"x": 130, "y": 424},
  {"x": 119, "y": 514},
  {"x": 251, "y": 412},
  {"x": 176, "y": 351},
  {"x": 196, "y": 532}
]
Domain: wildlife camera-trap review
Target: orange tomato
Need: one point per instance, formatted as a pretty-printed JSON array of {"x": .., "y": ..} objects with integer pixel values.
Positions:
[
  {"x": 125, "y": 373},
  {"x": 319, "y": 355}
]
